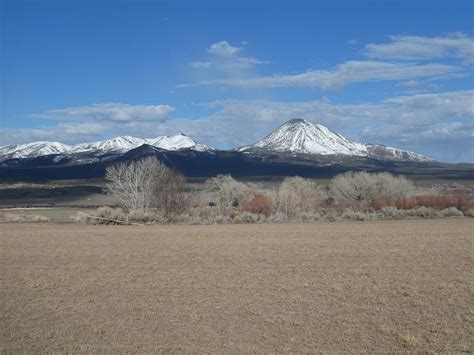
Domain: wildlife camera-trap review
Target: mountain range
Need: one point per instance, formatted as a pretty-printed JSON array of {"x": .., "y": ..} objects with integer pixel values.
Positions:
[
  {"x": 117, "y": 145},
  {"x": 297, "y": 147},
  {"x": 296, "y": 136}
]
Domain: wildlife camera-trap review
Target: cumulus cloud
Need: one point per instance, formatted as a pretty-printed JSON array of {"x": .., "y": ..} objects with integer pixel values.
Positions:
[
  {"x": 458, "y": 45},
  {"x": 223, "y": 49},
  {"x": 344, "y": 74},
  {"x": 226, "y": 59},
  {"x": 111, "y": 112}
]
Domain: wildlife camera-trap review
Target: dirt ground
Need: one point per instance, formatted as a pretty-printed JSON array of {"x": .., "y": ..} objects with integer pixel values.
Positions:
[{"x": 330, "y": 287}]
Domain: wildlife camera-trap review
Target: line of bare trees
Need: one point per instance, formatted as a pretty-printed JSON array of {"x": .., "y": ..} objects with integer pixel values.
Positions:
[{"x": 148, "y": 184}]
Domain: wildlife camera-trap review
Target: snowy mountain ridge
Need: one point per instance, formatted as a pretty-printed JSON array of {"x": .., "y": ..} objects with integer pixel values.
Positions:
[
  {"x": 35, "y": 149},
  {"x": 117, "y": 145}
]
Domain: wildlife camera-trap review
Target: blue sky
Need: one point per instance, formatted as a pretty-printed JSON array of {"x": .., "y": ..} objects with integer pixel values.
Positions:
[{"x": 228, "y": 72}]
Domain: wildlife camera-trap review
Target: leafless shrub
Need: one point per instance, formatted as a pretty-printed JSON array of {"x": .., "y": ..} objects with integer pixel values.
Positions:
[
  {"x": 353, "y": 215},
  {"x": 247, "y": 217},
  {"x": 366, "y": 187},
  {"x": 140, "y": 216},
  {"x": 391, "y": 212},
  {"x": 310, "y": 216},
  {"x": 297, "y": 195},
  {"x": 227, "y": 192},
  {"x": 451, "y": 212},
  {"x": 108, "y": 215},
  {"x": 22, "y": 218},
  {"x": 330, "y": 217},
  {"x": 423, "y": 212},
  {"x": 167, "y": 194},
  {"x": 257, "y": 204},
  {"x": 461, "y": 200}
]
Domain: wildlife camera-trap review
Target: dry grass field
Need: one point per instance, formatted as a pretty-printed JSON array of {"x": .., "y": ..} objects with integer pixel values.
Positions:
[{"x": 330, "y": 287}]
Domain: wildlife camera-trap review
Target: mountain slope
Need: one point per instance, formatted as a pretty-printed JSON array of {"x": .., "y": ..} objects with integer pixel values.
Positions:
[{"x": 301, "y": 136}]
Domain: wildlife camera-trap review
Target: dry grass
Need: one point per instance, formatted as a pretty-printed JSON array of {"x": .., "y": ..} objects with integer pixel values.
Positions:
[{"x": 340, "y": 287}]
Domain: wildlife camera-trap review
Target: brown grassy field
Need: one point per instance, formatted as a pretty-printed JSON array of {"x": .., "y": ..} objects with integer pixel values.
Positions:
[{"x": 331, "y": 287}]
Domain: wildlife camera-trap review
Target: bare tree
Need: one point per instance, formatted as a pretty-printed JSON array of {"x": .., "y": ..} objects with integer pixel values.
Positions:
[
  {"x": 167, "y": 194},
  {"x": 135, "y": 183},
  {"x": 296, "y": 195},
  {"x": 363, "y": 186},
  {"x": 227, "y": 191}
]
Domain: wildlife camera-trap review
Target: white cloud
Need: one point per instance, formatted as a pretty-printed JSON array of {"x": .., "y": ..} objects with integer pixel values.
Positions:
[
  {"x": 226, "y": 60},
  {"x": 414, "y": 86},
  {"x": 455, "y": 104},
  {"x": 450, "y": 130},
  {"x": 236, "y": 62},
  {"x": 458, "y": 45},
  {"x": 83, "y": 128},
  {"x": 223, "y": 49},
  {"x": 380, "y": 68},
  {"x": 88, "y": 123},
  {"x": 344, "y": 74},
  {"x": 110, "y": 112},
  {"x": 70, "y": 133}
]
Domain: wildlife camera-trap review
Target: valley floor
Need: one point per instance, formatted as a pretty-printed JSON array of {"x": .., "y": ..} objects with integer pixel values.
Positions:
[{"x": 336, "y": 287}]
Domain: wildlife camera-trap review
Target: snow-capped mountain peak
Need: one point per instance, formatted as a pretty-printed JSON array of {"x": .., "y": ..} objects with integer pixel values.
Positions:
[
  {"x": 176, "y": 142},
  {"x": 302, "y": 136}
]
